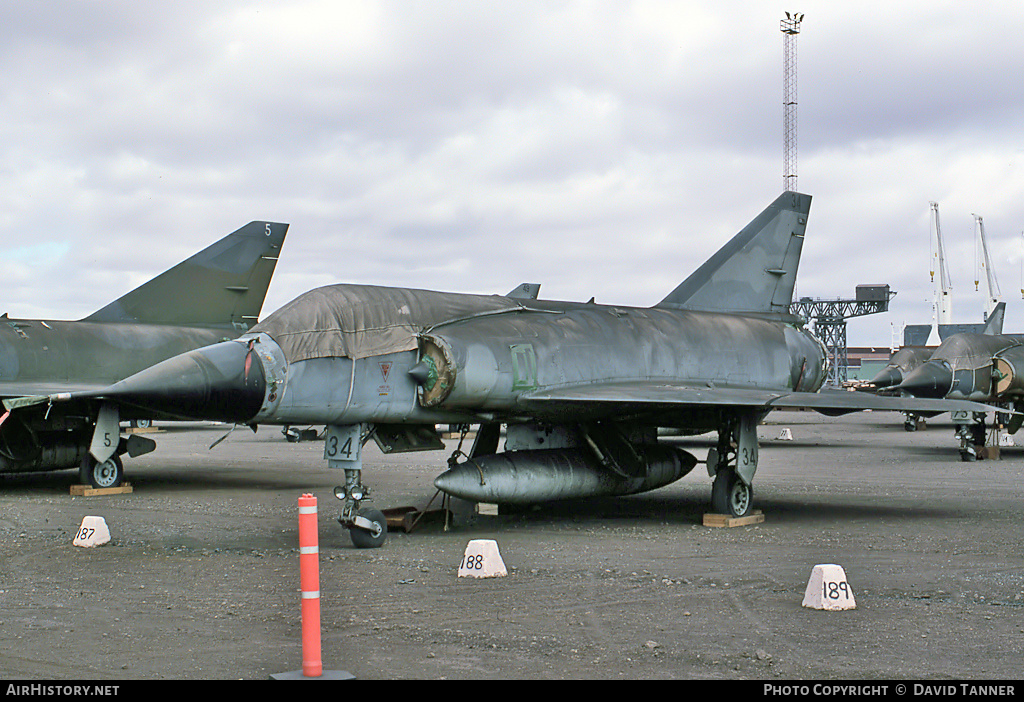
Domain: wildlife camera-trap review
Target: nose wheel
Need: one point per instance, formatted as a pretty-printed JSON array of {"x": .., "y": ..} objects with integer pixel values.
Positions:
[{"x": 369, "y": 529}]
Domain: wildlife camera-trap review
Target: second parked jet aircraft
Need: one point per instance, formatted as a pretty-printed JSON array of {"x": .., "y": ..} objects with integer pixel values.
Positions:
[{"x": 215, "y": 295}]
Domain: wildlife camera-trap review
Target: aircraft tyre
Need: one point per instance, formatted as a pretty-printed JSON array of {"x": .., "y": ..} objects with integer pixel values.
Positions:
[
  {"x": 730, "y": 495},
  {"x": 370, "y": 539},
  {"x": 108, "y": 474}
]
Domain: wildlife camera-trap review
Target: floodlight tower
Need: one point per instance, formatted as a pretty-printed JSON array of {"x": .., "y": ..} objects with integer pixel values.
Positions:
[{"x": 790, "y": 29}]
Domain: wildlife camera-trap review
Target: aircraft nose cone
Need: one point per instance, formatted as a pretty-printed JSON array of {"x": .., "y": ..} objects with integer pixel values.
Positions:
[
  {"x": 928, "y": 380},
  {"x": 887, "y": 377},
  {"x": 223, "y": 382}
]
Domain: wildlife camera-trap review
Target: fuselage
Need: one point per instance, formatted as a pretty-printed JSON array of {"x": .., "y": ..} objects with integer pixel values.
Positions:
[
  {"x": 363, "y": 354},
  {"x": 478, "y": 364}
]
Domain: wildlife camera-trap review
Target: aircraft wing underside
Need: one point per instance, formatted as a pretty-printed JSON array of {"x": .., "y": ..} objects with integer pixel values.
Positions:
[
  {"x": 639, "y": 397},
  {"x": 31, "y": 389}
]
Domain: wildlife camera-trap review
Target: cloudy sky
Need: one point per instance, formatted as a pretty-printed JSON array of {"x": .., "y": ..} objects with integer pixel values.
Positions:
[{"x": 600, "y": 148}]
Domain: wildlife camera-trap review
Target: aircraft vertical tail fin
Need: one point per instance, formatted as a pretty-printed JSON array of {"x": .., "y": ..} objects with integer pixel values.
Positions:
[
  {"x": 224, "y": 285},
  {"x": 994, "y": 323},
  {"x": 756, "y": 270},
  {"x": 524, "y": 291}
]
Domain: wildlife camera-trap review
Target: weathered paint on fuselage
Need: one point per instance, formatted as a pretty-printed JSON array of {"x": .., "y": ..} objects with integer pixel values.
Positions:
[
  {"x": 969, "y": 358},
  {"x": 582, "y": 344},
  {"x": 66, "y": 355},
  {"x": 491, "y": 360}
]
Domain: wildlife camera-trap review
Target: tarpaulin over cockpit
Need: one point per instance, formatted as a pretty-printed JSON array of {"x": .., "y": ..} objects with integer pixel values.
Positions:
[
  {"x": 970, "y": 351},
  {"x": 357, "y": 321}
]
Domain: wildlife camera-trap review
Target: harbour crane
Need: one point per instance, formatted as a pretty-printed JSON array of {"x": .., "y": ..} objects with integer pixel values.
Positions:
[
  {"x": 985, "y": 262},
  {"x": 943, "y": 287}
]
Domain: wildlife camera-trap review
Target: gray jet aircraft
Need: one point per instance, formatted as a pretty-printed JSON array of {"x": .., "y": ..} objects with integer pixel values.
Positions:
[
  {"x": 215, "y": 295},
  {"x": 985, "y": 368},
  {"x": 581, "y": 388},
  {"x": 910, "y": 357}
]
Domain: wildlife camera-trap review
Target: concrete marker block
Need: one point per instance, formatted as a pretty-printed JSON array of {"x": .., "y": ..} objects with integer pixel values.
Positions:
[
  {"x": 828, "y": 589},
  {"x": 92, "y": 532},
  {"x": 482, "y": 560},
  {"x": 786, "y": 435}
]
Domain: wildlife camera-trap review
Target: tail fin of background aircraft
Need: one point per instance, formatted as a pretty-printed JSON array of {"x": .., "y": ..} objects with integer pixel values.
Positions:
[
  {"x": 756, "y": 270},
  {"x": 525, "y": 291},
  {"x": 994, "y": 324},
  {"x": 222, "y": 285}
]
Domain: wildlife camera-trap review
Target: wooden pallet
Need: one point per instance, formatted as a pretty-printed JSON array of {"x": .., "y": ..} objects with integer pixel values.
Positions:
[
  {"x": 409, "y": 518},
  {"x": 89, "y": 491},
  {"x": 725, "y": 520},
  {"x": 487, "y": 509},
  {"x": 990, "y": 453}
]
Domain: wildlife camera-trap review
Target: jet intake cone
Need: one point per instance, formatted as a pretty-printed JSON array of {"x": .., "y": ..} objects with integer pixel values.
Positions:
[
  {"x": 928, "y": 380},
  {"x": 887, "y": 377},
  {"x": 223, "y": 382}
]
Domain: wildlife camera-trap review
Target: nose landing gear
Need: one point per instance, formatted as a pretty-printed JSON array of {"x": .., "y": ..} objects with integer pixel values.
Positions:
[{"x": 343, "y": 446}]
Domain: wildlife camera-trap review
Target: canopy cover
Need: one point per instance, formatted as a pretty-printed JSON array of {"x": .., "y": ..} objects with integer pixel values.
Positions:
[
  {"x": 358, "y": 321},
  {"x": 969, "y": 351}
]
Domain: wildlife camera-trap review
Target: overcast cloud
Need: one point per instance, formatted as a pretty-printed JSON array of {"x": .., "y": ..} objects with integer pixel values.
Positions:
[{"x": 599, "y": 148}]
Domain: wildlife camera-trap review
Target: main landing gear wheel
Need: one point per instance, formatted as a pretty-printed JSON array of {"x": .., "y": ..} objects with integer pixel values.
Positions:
[
  {"x": 108, "y": 474},
  {"x": 730, "y": 495},
  {"x": 373, "y": 537}
]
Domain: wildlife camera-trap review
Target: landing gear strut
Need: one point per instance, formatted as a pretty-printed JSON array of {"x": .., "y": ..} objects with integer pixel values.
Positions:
[
  {"x": 733, "y": 464},
  {"x": 101, "y": 467},
  {"x": 343, "y": 448},
  {"x": 911, "y": 421},
  {"x": 971, "y": 435}
]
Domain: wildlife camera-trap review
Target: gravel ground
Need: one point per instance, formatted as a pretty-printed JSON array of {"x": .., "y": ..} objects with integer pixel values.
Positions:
[{"x": 200, "y": 579}]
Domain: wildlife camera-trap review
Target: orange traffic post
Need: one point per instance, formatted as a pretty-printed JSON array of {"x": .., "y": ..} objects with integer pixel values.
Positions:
[
  {"x": 309, "y": 578},
  {"x": 309, "y": 584}
]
